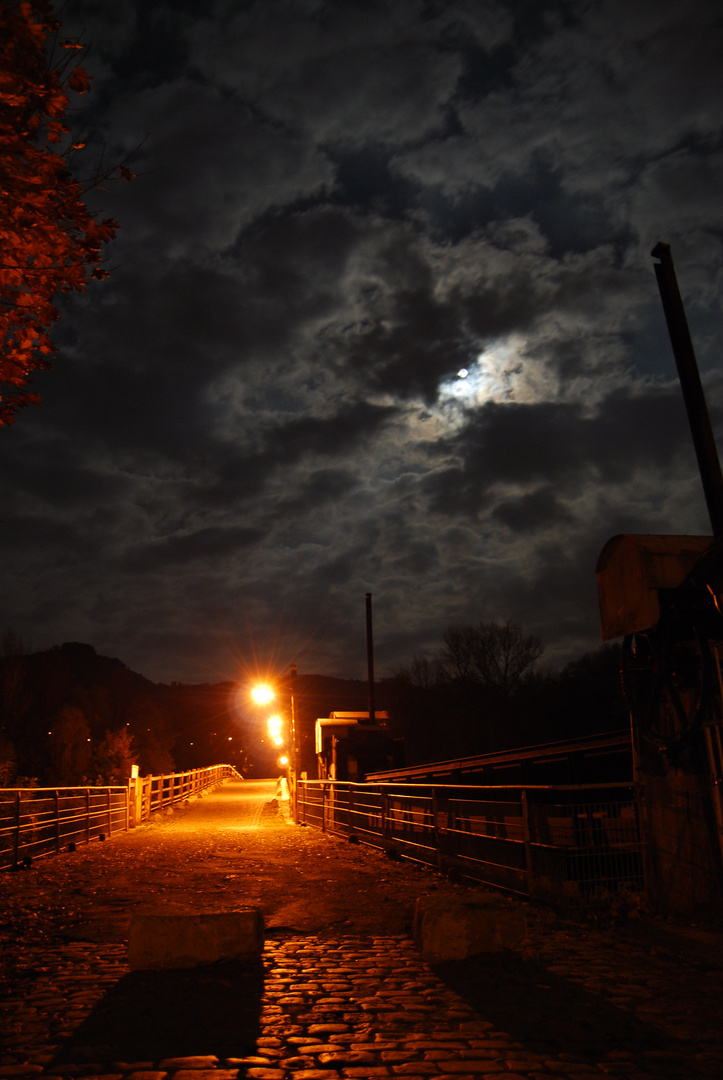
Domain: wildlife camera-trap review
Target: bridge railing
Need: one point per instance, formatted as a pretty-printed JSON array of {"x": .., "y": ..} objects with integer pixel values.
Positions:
[
  {"x": 563, "y": 844},
  {"x": 149, "y": 794},
  {"x": 44, "y": 821}
]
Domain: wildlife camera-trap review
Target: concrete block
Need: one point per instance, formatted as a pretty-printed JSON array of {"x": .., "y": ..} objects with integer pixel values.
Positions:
[
  {"x": 452, "y": 928},
  {"x": 184, "y": 941}
]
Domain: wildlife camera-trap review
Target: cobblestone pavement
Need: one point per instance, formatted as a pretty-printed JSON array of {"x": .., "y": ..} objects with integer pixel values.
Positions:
[{"x": 574, "y": 1002}]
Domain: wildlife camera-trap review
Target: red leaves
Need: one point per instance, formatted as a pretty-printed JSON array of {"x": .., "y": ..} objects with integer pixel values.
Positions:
[
  {"x": 49, "y": 241},
  {"x": 79, "y": 82}
]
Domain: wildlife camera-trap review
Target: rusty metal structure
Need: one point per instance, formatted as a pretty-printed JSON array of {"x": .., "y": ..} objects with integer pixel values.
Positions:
[{"x": 664, "y": 596}]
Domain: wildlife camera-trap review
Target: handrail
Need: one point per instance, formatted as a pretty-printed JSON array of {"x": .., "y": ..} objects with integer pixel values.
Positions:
[
  {"x": 45, "y": 820},
  {"x": 149, "y": 794},
  {"x": 568, "y": 843}
]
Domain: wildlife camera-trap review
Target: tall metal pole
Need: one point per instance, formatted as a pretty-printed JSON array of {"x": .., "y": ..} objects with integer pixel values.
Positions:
[
  {"x": 370, "y": 659},
  {"x": 294, "y": 763},
  {"x": 706, "y": 450}
]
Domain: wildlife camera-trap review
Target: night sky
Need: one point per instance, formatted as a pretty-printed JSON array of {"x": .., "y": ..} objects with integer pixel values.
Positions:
[{"x": 340, "y": 209}]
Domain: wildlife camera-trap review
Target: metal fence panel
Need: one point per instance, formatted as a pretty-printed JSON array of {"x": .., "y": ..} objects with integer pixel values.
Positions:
[
  {"x": 535, "y": 842},
  {"x": 42, "y": 821}
]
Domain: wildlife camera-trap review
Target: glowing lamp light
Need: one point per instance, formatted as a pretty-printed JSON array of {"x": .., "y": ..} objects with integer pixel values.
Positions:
[
  {"x": 262, "y": 694},
  {"x": 274, "y": 726},
  {"x": 283, "y": 761}
]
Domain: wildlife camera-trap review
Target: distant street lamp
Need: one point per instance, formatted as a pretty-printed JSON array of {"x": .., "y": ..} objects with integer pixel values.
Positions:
[
  {"x": 262, "y": 695},
  {"x": 275, "y": 726}
]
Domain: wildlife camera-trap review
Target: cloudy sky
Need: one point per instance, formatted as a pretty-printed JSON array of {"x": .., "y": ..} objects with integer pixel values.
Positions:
[{"x": 341, "y": 207}]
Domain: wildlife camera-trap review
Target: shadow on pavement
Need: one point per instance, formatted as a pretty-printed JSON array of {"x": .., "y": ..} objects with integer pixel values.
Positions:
[
  {"x": 546, "y": 1012},
  {"x": 149, "y": 1015}
]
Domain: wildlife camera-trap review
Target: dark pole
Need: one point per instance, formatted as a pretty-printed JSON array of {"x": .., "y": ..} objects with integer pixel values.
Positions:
[
  {"x": 370, "y": 660},
  {"x": 294, "y": 761},
  {"x": 706, "y": 450}
]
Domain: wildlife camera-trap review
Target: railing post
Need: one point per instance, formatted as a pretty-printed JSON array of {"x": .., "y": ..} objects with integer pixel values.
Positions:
[
  {"x": 526, "y": 839},
  {"x": 437, "y": 832},
  {"x": 16, "y": 843},
  {"x": 350, "y": 811},
  {"x": 57, "y": 822},
  {"x": 385, "y": 817},
  {"x": 87, "y": 815},
  {"x": 110, "y": 814}
]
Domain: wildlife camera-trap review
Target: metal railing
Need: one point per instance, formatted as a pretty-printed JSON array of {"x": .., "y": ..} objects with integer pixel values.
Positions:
[
  {"x": 555, "y": 843},
  {"x": 149, "y": 794},
  {"x": 45, "y": 821}
]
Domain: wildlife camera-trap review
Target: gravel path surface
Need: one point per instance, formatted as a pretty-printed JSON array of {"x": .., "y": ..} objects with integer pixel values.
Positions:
[{"x": 341, "y": 991}]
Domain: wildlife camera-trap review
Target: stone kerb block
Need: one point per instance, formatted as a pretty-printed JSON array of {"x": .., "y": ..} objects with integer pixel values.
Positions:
[
  {"x": 184, "y": 941},
  {"x": 454, "y": 928}
]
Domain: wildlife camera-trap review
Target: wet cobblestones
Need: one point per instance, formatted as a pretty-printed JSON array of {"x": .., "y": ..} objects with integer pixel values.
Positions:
[{"x": 336, "y": 1008}]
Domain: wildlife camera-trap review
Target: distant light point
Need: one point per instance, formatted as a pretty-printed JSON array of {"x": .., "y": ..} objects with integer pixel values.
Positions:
[{"x": 463, "y": 373}]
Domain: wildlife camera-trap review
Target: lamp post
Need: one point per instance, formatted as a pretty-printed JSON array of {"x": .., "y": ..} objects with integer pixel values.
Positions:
[{"x": 263, "y": 694}]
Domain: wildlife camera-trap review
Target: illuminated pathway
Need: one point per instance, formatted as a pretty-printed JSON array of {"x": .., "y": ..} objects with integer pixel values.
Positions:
[{"x": 342, "y": 992}]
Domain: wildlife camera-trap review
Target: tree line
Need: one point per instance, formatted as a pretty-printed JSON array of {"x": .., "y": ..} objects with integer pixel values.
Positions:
[{"x": 484, "y": 691}]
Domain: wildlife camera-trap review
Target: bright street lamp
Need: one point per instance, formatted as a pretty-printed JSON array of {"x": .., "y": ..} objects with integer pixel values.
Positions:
[
  {"x": 262, "y": 694},
  {"x": 275, "y": 726}
]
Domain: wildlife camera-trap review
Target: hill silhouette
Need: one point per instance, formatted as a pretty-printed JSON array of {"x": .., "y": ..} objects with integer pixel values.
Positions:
[{"x": 59, "y": 706}]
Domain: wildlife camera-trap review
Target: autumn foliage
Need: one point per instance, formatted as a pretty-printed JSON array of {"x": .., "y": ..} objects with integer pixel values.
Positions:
[{"x": 50, "y": 243}]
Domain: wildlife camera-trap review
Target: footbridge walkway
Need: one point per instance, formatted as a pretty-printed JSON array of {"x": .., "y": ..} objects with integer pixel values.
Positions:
[{"x": 341, "y": 991}]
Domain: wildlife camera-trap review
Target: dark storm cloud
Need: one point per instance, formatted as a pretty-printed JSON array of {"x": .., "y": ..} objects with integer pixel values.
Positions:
[
  {"x": 315, "y": 491},
  {"x": 211, "y": 169},
  {"x": 55, "y": 478},
  {"x": 529, "y": 512},
  {"x": 338, "y": 208},
  {"x": 556, "y": 444},
  {"x": 212, "y": 542},
  {"x": 286, "y": 444}
]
